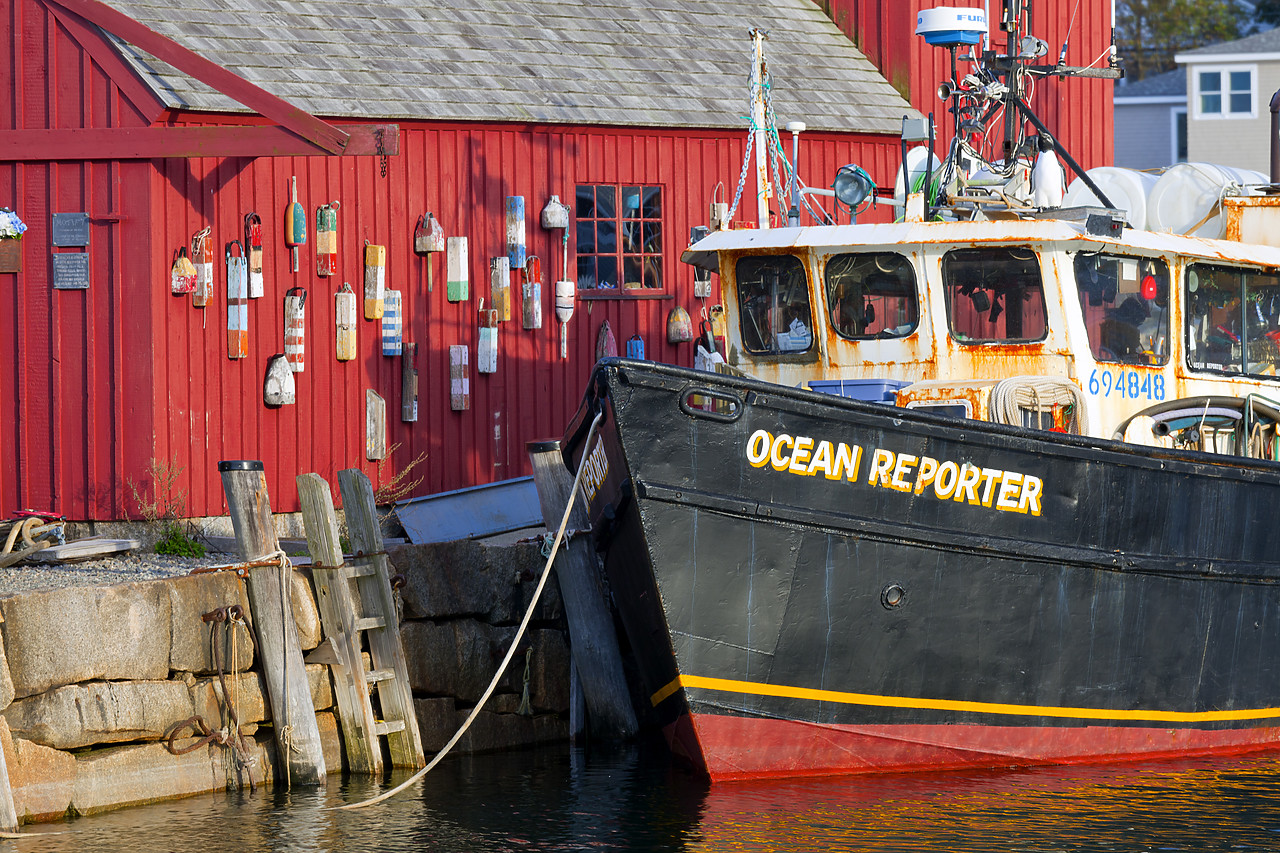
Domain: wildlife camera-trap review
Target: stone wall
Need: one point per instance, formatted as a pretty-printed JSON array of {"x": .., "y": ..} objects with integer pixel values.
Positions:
[
  {"x": 95, "y": 680},
  {"x": 463, "y": 602}
]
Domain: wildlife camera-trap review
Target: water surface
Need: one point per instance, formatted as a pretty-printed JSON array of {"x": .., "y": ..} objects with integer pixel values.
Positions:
[{"x": 554, "y": 799}]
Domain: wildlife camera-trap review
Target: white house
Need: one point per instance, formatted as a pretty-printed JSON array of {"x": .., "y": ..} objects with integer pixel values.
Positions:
[{"x": 1229, "y": 89}]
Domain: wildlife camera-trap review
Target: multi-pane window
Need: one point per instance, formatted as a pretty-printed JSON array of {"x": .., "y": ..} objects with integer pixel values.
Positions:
[
  {"x": 1233, "y": 319},
  {"x": 1225, "y": 92},
  {"x": 619, "y": 230}
]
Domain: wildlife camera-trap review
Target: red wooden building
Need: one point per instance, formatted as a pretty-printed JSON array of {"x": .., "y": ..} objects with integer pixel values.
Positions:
[{"x": 124, "y": 125}]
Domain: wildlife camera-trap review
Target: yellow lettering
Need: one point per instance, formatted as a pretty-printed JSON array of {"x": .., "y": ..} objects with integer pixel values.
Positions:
[
  {"x": 848, "y": 459},
  {"x": 881, "y": 466},
  {"x": 758, "y": 448},
  {"x": 928, "y": 467},
  {"x": 1030, "y": 496},
  {"x": 944, "y": 485},
  {"x": 822, "y": 461},
  {"x": 780, "y": 463},
  {"x": 990, "y": 477},
  {"x": 967, "y": 488},
  {"x": 1009, "y": 487},
  {"x": 801, "y": 455},
  {"x": 906, "y": 462}
]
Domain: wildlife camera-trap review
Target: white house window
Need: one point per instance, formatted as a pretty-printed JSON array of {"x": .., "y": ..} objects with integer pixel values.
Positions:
[{"x": 1225, "y": 91}]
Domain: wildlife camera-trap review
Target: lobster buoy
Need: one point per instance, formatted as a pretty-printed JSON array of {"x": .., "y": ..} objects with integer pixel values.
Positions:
[
  {"x": 278, "y": 388},
  {"x": 391, "y": 324},
  {"x": 253, "y": 251},
  {"x": 428, "y": 238},
  {"x": 679, "y": 326},
  {"x": 456, "y": 262},
  {"x": 327, "y": 239},
  {"x": 237, "y": 301},
  {"x": 202, "y": 254},
  {"x": 606, "y": 343},
  {"x": 295, "y": 301},
  {"x": 515, "y": 231},
  {"x": 182, "y": 275},
  {"x": 295, "y": 223},
  {"x": 375, "y": 280},
  {"x": 344, "y": 309},
  {"x": 531, "y": 293},
  {"x": 487, "y": 348},
  {"x": 565, "y": 294},
  {"x": 500, "y": 287},
  {"x": 459, "y": 378}
]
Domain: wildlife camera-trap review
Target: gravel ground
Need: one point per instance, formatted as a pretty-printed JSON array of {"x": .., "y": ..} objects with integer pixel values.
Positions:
[{"x": 136, "y": 566}]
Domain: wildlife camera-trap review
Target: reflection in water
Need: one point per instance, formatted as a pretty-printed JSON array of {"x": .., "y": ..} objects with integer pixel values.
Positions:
[{"x": 631, "y": 799}]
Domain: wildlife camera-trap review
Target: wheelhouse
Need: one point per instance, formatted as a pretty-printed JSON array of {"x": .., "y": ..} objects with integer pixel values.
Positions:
[{"x": 1093, "y": 324}]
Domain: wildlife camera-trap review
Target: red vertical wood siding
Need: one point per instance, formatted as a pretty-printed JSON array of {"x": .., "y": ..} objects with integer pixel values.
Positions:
[
  {"x": 1078, "y": 111},
  {"x": 209, "y": 407},
  {"x": 102, "y": 381},
  {"x": 77, "y": 419}
]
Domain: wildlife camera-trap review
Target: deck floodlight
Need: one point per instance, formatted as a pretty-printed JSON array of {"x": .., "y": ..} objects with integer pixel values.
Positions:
[{"x": 852, "y": 186}]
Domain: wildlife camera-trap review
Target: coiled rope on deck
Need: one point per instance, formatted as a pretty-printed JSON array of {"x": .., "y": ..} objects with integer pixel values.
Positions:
[{"x": 515, "y": 642}]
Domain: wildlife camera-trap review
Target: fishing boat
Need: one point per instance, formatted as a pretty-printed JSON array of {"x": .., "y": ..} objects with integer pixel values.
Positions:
[{"x": 1034, "y": 522}]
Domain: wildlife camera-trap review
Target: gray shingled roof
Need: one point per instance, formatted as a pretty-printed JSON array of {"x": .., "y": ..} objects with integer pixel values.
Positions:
[
  {"x": 626, "y": 62},
  {"x": 1159, "y": 85},
  {"x": 1268, "y": 42}
]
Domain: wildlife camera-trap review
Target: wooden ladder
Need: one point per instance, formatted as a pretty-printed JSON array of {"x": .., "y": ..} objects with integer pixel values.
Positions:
[{"x": 356, "y": 602}]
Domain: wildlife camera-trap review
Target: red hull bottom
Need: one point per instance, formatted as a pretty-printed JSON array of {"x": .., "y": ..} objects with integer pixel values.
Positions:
[{"x": 735, "y": 748}]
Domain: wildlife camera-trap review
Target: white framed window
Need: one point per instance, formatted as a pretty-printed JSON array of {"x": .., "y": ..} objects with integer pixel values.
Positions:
[{"x": 1225, "y": 91}]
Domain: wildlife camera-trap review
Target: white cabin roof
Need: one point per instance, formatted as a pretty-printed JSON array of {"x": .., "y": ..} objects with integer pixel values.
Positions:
[{"x": 834, "y": 237}]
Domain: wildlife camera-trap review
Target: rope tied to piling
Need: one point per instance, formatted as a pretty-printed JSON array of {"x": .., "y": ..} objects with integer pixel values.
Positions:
[{"x": 515, "y": 642}]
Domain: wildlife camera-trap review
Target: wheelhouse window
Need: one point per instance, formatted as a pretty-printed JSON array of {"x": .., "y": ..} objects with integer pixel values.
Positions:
[
  {"x": 994, "y": 295},
  {"x": 1125, "y": 305},
  {"x": 1233, "y": 319},
  {"x": 1225, "y": 91},
  {"x": 871, "y": 295},
  {"x": 619, "y": 238},
  {"x": 773, "y": 300}
]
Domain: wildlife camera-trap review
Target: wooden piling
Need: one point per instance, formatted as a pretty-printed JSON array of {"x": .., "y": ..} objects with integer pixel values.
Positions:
[
  {"x": 591, "y": 634},
  {"x": 300, "y": 757}
]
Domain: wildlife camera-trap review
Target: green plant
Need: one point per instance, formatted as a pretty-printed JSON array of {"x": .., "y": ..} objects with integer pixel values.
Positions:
[{"x": 175, "y": 542}]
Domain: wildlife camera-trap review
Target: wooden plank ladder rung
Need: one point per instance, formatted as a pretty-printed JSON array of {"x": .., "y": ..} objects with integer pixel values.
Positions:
[
  {"x": 343, "y": 593},
  {"x": 386, "y": 727}
]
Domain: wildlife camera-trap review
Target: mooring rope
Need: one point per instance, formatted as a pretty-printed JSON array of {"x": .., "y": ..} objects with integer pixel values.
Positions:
[{"x": 515, "y": 642}]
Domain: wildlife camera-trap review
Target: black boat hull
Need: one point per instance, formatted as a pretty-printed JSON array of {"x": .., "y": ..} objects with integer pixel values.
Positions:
[{"x": 795, "y": 609}]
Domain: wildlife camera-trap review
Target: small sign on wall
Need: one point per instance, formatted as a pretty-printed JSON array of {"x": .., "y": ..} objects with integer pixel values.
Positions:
[
  {"x": 70, "y": 229},
  {"x": 70, "y": 270}
]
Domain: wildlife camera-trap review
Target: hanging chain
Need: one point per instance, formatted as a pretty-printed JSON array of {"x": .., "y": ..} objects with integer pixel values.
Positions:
[
  {"x": 773, "y": 145},
  {"x": 381, "y": 150}
]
